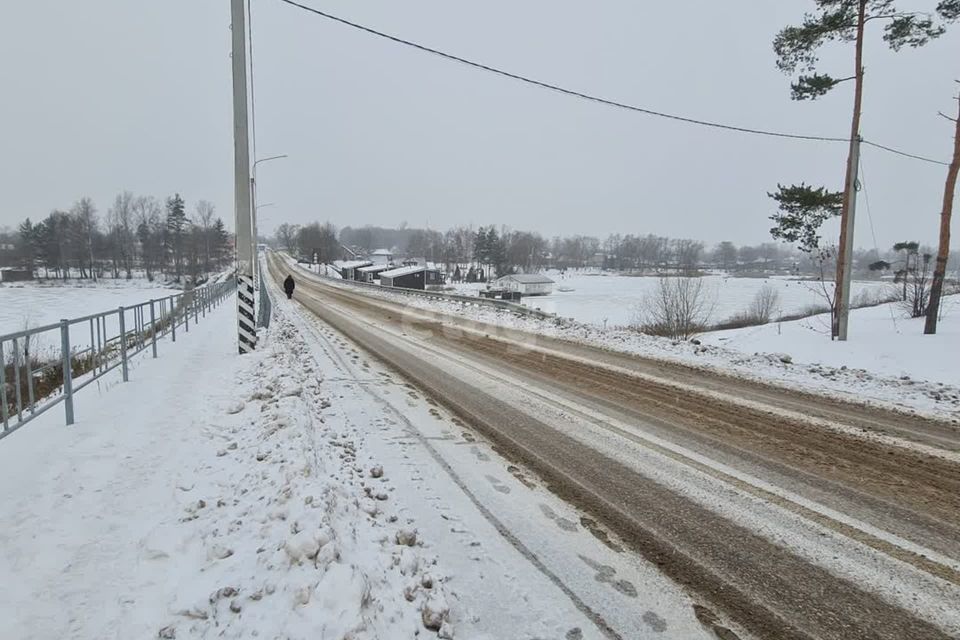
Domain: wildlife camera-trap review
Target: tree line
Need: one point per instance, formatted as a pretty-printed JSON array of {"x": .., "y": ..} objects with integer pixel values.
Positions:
[
  {"x": 138, "y": 233},
  {"x": 499, "y": 251}
]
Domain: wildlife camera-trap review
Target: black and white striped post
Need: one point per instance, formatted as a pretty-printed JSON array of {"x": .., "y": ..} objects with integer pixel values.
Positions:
[{"x": 246, "y": 324}]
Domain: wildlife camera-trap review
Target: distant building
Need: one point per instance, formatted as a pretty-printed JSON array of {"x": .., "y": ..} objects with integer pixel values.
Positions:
[
  {"x": 527, "y": 284},
  {"x": 14, "y": 274},
  {"x": 413, "y": 277},
  {"x": 371, "y": 273},
  {"x": 348, "y": 269},
  {"x": 9, "y": 256},
  {"x": 381, "y": 256}
]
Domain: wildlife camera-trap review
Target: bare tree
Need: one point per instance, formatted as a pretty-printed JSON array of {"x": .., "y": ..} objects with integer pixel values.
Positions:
[
  {"x": 148, "y": 216},
  {"x": 287, "y": 235},
  {"x": 678, "y": 308},
  {"x": 765, "y": 302},
  {"x": 84, "y": 218},
  {"x": 121, "y": 229},
  {"x": 204, "y": 222}
]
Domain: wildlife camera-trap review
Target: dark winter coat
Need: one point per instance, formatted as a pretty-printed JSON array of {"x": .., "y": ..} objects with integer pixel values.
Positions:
[{"x": 288, "y": 286}]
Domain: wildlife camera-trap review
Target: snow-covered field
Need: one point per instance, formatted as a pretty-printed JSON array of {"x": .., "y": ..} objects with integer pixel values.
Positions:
[
  {"x": 33, "y": 305},
  {"x": 611, "y": 300},
  {"x": 36, "y": 304},
  {"x": 881, "y": 340}
]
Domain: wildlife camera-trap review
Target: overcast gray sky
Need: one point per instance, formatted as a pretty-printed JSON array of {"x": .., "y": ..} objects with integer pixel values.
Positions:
[{"x": 104, "y": 95}]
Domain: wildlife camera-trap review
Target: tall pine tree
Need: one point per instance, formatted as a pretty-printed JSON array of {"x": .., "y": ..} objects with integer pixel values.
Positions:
[
  {"x": 176, "y": 232},
  {"x": 797, "y": 47}
]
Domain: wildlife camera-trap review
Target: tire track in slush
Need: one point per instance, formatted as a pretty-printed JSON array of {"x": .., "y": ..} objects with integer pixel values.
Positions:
[{"x": 765, "y": 588}]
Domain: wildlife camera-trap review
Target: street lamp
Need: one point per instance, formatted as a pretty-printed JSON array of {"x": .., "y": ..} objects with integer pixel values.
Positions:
[{"x": 253, "y": 209}]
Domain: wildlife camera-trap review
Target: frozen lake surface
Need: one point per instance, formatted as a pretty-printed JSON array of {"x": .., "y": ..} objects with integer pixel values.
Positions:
[{"x": 601, "y": 299}]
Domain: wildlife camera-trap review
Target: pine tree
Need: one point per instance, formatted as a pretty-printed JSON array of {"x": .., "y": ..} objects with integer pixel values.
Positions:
[
  {"x": 220, "y": 243},
  {"x": 176, "y": 232},
  {"x": 796, "y": 48}
]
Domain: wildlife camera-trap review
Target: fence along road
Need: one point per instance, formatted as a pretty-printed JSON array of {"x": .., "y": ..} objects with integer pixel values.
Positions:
[{"x": 41, "y": 367}]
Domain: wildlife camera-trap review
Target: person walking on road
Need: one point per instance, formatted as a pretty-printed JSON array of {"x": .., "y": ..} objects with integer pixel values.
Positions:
[{"x": 288, "y": 286}]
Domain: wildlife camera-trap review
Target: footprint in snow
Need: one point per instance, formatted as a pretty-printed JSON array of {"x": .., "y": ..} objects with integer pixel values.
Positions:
[
  {"x": 481, "y": 456},
  {"x": 607, "y": 574},
  {"x": 563, "y": 523},
  {"x": 497, "y": 485}
]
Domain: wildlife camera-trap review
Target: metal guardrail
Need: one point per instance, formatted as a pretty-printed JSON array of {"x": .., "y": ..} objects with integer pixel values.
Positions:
[
  {"x": 436, "y": 295},
  {"x": 44, "y": 366}
]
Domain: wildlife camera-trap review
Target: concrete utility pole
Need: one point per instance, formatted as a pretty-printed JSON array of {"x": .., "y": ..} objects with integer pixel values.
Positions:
[
  {"x": 845, "y": 259},
  {"x": 246, "y": 325}
]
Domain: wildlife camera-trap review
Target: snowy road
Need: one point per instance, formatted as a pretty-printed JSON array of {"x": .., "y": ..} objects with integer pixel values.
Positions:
[{"x": 845, "y": 525}]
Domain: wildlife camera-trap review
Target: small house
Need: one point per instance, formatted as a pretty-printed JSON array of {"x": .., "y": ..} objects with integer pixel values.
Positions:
[
  {"x": 348, "y": 269},
  {"x": 381, "y": 256},
  {"x": 413, "y": 277},
  {"x": 526, "y": 284},
  {"x": 372, "y": 272}
]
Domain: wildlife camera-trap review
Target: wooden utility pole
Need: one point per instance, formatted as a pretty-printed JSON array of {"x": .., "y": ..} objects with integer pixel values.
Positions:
[
  {"x": 943, "y": 253},
  {"x": 845, "y": 250}
]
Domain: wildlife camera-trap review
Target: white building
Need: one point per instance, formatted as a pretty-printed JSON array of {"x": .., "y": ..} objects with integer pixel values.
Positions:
[
  {"x": 527, "y": 284},
  {"x": 381, "y": 256}
]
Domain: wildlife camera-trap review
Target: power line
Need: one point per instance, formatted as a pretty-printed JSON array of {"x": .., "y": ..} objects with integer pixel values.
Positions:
[
  {"x": 873, "y": 232},
  {"x": 905, "y": 154},
  {"x": 593, "y": 98},
  {"x": 557, "y": 88}
]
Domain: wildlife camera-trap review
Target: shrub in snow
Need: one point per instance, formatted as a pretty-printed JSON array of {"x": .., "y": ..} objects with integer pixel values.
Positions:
[{"x": 678, "y": 308}]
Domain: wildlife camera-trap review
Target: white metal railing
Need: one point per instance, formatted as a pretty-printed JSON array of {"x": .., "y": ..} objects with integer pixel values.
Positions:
[{"x": 43, "y": 366}]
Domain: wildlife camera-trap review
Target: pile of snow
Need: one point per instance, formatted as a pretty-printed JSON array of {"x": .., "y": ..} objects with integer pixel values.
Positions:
[{"x": 214, "y": 496}]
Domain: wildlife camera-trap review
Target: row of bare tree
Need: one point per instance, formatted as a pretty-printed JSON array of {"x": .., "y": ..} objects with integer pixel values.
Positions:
[{"x": 138, "y": 233}]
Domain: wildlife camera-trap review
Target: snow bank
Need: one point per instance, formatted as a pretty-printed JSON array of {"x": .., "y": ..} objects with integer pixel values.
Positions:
[{"x": 207, "y": 497}]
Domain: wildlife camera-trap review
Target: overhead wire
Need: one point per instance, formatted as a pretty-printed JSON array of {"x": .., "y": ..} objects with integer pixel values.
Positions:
[
  {"x": 590, "y": 97},
  {"x": 862, "y": 185}
]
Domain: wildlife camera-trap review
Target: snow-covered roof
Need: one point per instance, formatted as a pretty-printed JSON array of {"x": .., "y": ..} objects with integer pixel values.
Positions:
[
  {"x": 353, "y": 264},
  {"x": 402, "y": 271},
  {"x": 376, "y": 267},
  {"x": 528, "y": 278},
  {"x": 383, "y": 252}
]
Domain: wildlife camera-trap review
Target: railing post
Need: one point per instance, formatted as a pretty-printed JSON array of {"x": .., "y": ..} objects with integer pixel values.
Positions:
[
  {"x": 26, "y": 359},
  {"x": 173, "y": 319},
  {"x": 196, "y": 309},
  {"x": 186, "y": 299},
  {"x": 203, "y": 301},
  {"x": 16, "y": 379},
  {"x": 153, "y": 329},
  {"x": 4, "y": 409},
  {"x": 67, "y": 370},
  {"x": 123, "y": 345}
]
